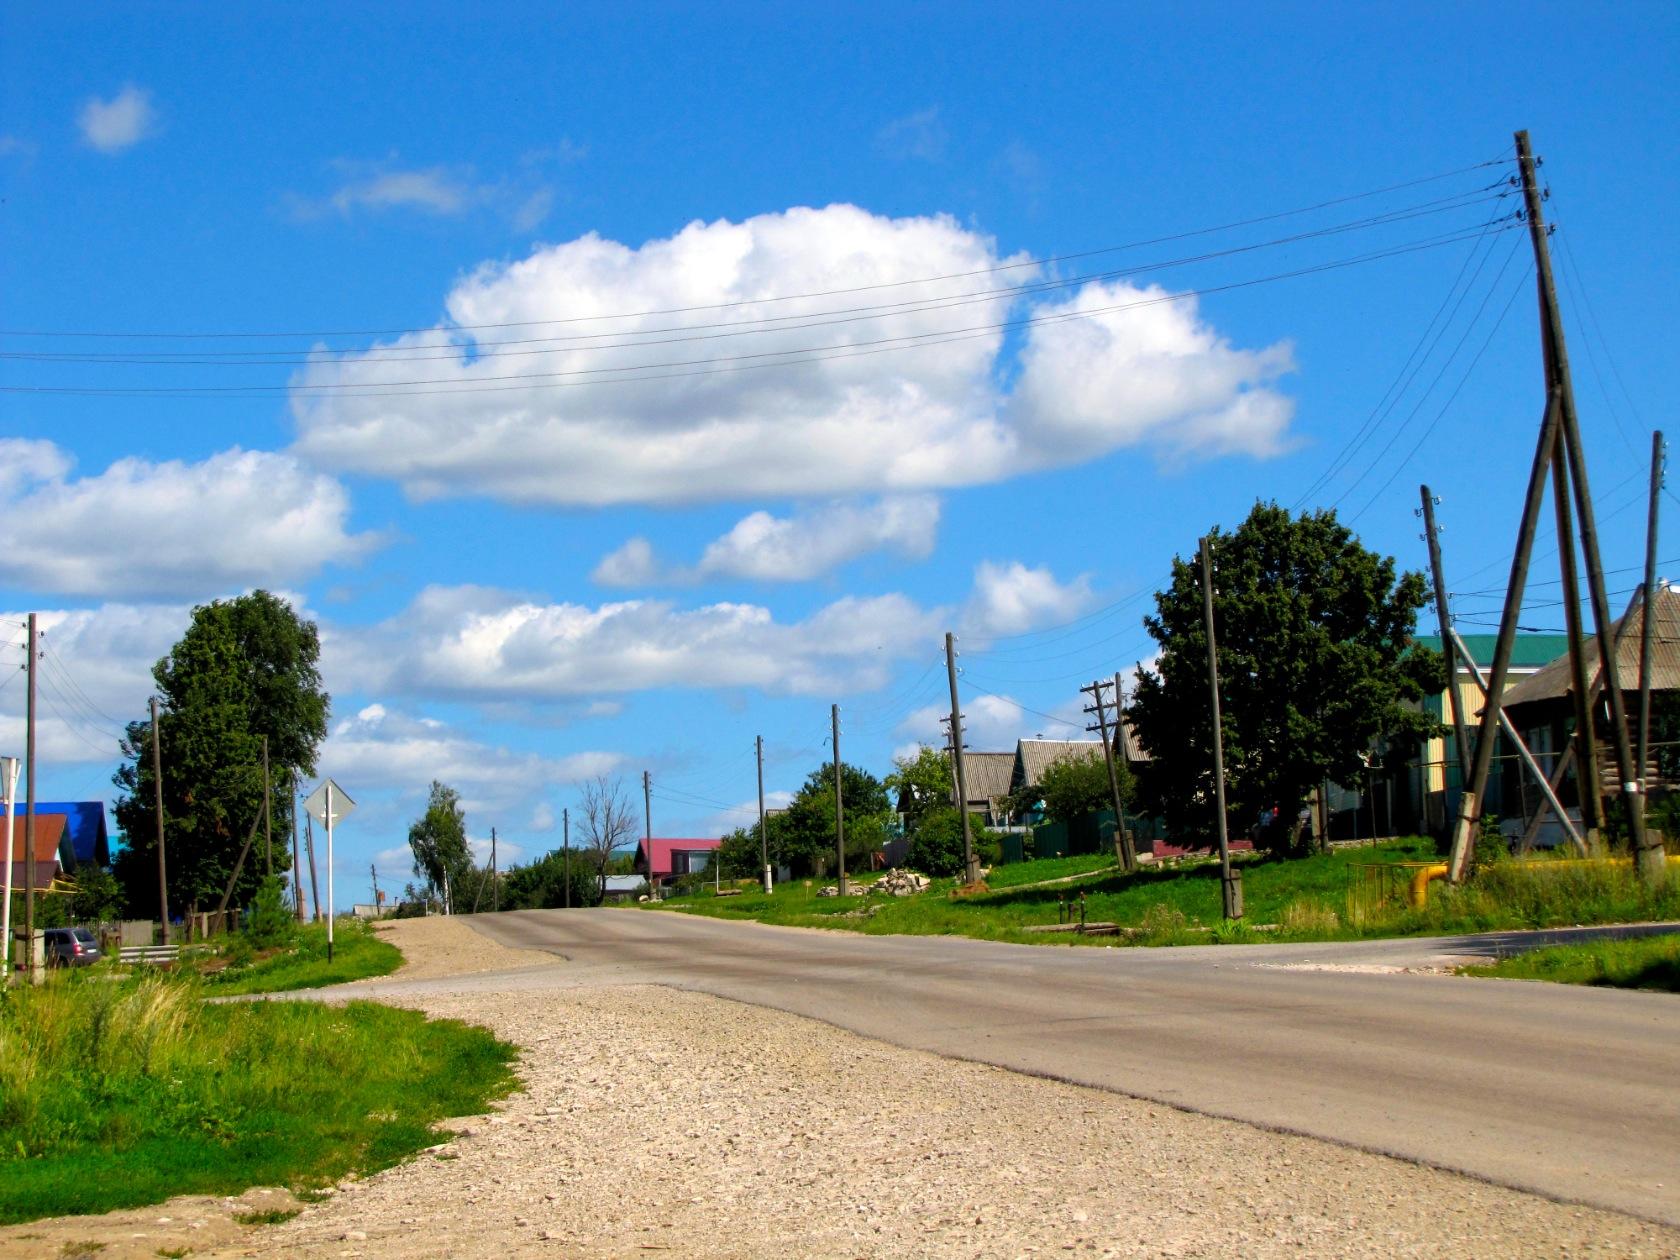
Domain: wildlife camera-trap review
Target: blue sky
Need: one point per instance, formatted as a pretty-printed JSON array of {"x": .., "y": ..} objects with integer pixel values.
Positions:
[{"x": 635, "y": 541}]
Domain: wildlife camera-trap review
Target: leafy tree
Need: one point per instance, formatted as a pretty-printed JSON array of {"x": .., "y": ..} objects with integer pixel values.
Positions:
[
  {"x": 921, "y": 783},
  {"x": 541, "y": 885},
  {"x": 803, "y": 838},
  {"x": 1078, "y": 785},
  {"x": 1317, "y": 661},
  {"x": 442, "y": 859},
  {"x": 245, "y": 668}
]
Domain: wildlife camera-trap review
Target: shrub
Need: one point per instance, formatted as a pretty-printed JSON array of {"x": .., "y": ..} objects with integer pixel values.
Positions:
[{"x": 270, "y": 922}]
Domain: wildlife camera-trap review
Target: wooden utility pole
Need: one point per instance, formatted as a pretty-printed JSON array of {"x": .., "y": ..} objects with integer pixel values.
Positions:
[
  {"x": 1648, "y": 618},
  {"x": 1650, "y": 857},
  {"x": 1587, "y": 785},
  {"x": 157, "y": 810},
  {"x": 971, "y": 866},
  {"x": 1461, "y": 734},
  {"x": 268, "y": 820},
  {"x": 763, "y": 831},
  {"x": 647, "y": 818},
  {"x": 1122, "y": 838},
  {"x": 839, "y": 810},
  {"x": 297, "y": 866},
  {"x": 1230, "y": 881},
  {"x": 495, "y": 887},
  {"x": 373, "y": 874},
  {"x": 29, "y": 811},
  {"x": 566, "y": 852},
  {"x": 314, "y": 887}
]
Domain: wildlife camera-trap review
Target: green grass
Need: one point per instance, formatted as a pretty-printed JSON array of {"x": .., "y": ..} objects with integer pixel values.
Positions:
[
  {"x": 357, "y": 955},
  {"x": 1296, "y": 899},
  {"x": 1646, "y": 962},
  {"x": 1048, "y": 868},
  {"x": 120, "y": 1093},
  {"x": 270, "y": 1216}
]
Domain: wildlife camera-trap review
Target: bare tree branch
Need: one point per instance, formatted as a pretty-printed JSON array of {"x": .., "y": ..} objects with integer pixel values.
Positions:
[{"x": 606, "y": 823}]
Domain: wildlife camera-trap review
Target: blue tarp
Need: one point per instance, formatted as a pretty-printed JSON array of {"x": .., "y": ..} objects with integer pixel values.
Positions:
[{"x": 84, "y": 831}]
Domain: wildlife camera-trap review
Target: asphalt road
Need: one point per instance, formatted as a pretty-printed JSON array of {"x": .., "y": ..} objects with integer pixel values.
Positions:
[{"x": 1569, "y": 1092}]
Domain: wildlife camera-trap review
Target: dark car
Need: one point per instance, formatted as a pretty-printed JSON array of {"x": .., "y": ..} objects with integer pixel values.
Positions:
[{"x": 71, "y": 947}]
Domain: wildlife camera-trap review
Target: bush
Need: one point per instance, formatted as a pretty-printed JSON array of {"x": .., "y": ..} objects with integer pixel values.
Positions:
[{"x": 936, "y": 846}]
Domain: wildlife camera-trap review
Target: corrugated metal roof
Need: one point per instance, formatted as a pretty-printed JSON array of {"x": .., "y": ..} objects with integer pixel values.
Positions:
[
  {"x": 1553, "y": 682},
  {"x": 49, "y": 833},
  {"x": 987, "y": 775},
  {"x": 1034, "y": 756},
  {"x": 1528, "y": 651}
]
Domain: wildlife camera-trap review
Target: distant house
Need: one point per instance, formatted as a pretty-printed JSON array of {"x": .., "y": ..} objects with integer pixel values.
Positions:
[
  {"x": 1035, "y": 756},
  {"x": 85, "y": 840},
  {"x": 659, "y": 860},
  {"x": 50, "y": 843},
  {"x": 986, "y": 775}
]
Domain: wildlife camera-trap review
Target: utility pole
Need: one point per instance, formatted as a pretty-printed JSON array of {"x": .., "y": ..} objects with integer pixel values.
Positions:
[
  {"x": 314, "y": 887},
  {"x": 566, "y": 852},
  {"x": 297, "y": 871},
  {"x": 1461, "y": 734},
  {"x": 29, "y": 813},
  {"x": 157, "y": 809},
  {"x": 1650, "y": 858},
  {"x": 839, "y": 811},
  {"x": 495, "y": 889},
  {"x": 763, "y": 831},
  {"x": 971, "y": 867},
  {"x": 8, "y": 781},
  {"x": 647, "y": 816},
  {"x": 1230, "y": 881},
  {"x": 268, "y": 821},
  {"x": 1122, "y": 838},
  {"x": 1587, "y": 784},
  {"x": 1649, "y": 619},
  {"x": 373, "y": 871}
]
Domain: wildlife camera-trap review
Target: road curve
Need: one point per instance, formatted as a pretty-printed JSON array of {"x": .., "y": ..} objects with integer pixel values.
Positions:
[{"x": 1564, "y": 1091}]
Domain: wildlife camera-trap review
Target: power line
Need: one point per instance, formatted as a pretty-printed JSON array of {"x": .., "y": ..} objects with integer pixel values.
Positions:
[{"x": 787, "y": 297}]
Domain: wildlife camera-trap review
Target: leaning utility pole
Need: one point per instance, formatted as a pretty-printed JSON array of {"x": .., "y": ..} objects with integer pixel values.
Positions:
[
  {"x": 1461, "y": 735},
  {"x": 268, "y": 821},
  {"x": 314, "y": 887},
  {"x": 839, "y": 811},
  {"x": 1587, "y": 787},
  {"x": 1649, "y": 616},
  {"x": 157, "y": 809},
  {"x": 1230, "y": 882},
  {"x": 29, "y": 814},
  {"x": 763, "y": 832},
  {"x": 971, "y": 867},
  {"x": 373, "y": 872},
  {"x": 1122, "y": 838}
]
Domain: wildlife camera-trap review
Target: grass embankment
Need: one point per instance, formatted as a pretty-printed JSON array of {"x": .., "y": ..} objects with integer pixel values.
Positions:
[
  {"x": 117, "y": 1093},
  {"x": 300, "y": 964},
  {"x": 1297, "y": 899},
  {"x": 1647, "y": 962}
]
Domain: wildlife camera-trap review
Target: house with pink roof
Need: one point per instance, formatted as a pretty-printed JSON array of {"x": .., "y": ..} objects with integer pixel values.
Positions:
[{"x": 658, "y": 860}]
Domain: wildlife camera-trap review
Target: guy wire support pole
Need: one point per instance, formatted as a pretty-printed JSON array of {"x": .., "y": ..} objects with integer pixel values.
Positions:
[
  {"x": 1587, "y": 785},
  {"x": 971, "y": 867},
  {"x": 1648, "y": 617},
  {"x": 314, "y": 886},
  {"x": 1470, "y": 801},
  {"x": 1122, "y": 846},
  {"x": 839, "y": 812},
  {"x": 157, "y": 809},
  {"x": 1651, "y": 860},
  {"x": 763, "y": 832},
  {"x": 1461, "y": 734},
  {"x": 1230, "y": 882}
]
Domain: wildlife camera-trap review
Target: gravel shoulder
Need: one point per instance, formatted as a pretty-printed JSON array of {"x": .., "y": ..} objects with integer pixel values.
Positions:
[
  {"x": 441, "y": 945},
  {"x": 660, "y": 1121}
]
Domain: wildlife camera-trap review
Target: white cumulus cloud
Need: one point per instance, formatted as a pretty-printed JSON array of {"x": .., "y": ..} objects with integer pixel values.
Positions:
[
  {"x": 1012, "y": 598},
  {"x": 544, "y": 386},
  {"x": 766, "y": 548},
  {"x": 170, "y": 529},
  {"x": 124, "y": 120}
]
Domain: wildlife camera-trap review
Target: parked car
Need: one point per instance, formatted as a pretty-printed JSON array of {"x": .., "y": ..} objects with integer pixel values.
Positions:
[{"x": 71, "y": 947}]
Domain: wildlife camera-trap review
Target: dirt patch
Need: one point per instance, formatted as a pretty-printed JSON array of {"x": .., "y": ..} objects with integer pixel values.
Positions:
[
  {"x": 441, "y": 945},
  {"x": 189, "y": 1225}
]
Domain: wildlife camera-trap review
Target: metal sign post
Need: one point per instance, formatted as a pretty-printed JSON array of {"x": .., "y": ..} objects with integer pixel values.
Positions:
[{"x": 329, "y": 803}]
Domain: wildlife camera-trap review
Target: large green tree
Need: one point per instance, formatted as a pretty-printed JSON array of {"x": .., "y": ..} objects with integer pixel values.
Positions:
[
  {"x": 1074, "y": 786},
  {"x": 438, "y": 841},
  {"x": 921, "y": 782},
  {"x": 801, "y": 837},
  {"x": 1318, "y": 665},
  {"x": 245, "y": 668}
]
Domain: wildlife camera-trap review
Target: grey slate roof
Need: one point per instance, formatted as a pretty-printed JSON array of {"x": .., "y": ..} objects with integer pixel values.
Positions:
[
  {"x": 987, "y": 775},
  {"x": 1552, "y": 682},
  {"x": 1034, "y": 756}
]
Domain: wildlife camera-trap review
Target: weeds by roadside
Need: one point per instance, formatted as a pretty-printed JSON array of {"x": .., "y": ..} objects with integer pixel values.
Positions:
[
  {"x": 163, "y": 1094},
  {"x": 1646, "y": 962}
]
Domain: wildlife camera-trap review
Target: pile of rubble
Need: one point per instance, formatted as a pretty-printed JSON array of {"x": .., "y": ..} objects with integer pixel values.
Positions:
[{"x": 900, "y": 883}]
